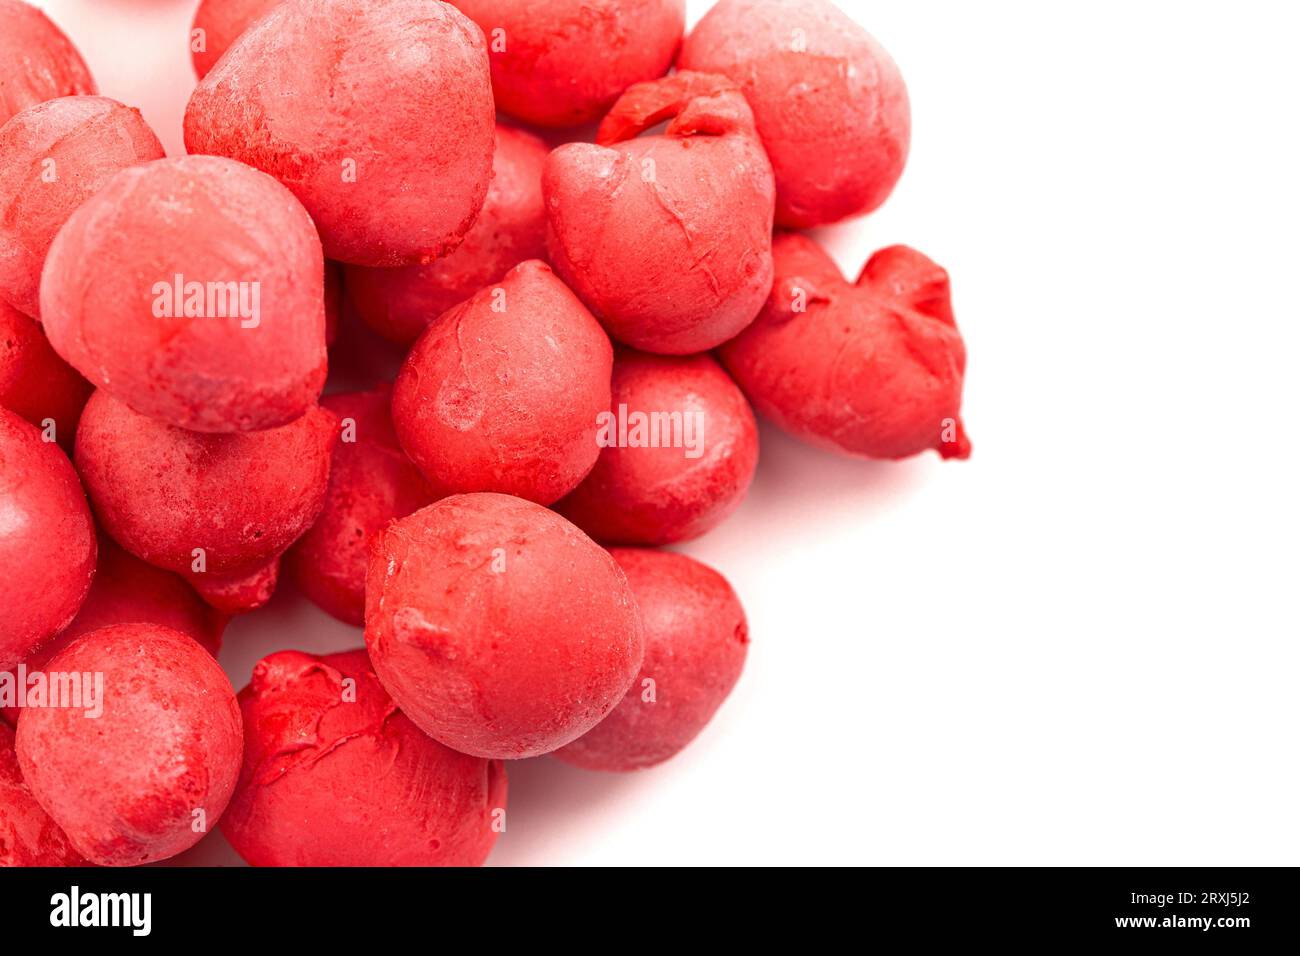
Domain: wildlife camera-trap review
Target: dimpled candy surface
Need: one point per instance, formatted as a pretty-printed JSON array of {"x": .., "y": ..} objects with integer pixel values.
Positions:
[
  {"x": 335, "y": 775},
  {"x": 378, "y": 116},
  {"x": 400, "y": 303},
  {"x": 162, "y": 492},
  {"x": 696, "y": 639},
  {"x": 221, "y": 22},
  {"x": 34, "y": 382},
  {"x": 28, "y": 837},
  {"x": 829, "y": 102},
  {"x": 498, "y": 627},
  {"x": 53, "y": 157},
  {"x": 213, "y": 316},
  {"x": 47, "y": 540},
  {"x": 666, "y": 237},
  {"x": 562, "y": 62},
  {"x": 165, "y": 750},
  {"x": 37, "y": 62},
  {"x": 371, "y": 483},
  {"x": 681, "y": 446},
  {"x": 502, "y": 393},
  {"x": 873, "y": 369}
]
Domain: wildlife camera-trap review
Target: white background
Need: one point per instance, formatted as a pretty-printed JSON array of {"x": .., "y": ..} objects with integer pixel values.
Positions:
[{"x": 1079, "y": 647}]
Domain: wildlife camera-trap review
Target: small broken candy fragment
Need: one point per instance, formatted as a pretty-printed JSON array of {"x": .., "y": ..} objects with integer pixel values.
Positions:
[
  {"x": 378, "y": 116},
  {"x": 141, "y": 768},
  {"x": 829, "y": 102},
  {"x": 371, "y": 483},
  {"x": 218, "y": 24},
  {"x": 872, "y": 369},
  {"x": 28, "y": 837},
  {"x": 34, "y": 382},
  {"x": 335, "y": 775},
  {"x": 212, "y": 316},
  {"x": 666, "y": 237},
  {"x": 400, "y": 303},
  {"x": 498, "y": 627},
  {"x": 47, "y": 540},
  {"x": 217, "y": 509},
  {"x": 696, "y": 639},
  {"x": 679, "y": 448},
  {"x": 504, "y": 391},
  {"x": 37, "y": 62},
  {"x": 563, "y": 62},
  {"x": 53, "y": 157}
]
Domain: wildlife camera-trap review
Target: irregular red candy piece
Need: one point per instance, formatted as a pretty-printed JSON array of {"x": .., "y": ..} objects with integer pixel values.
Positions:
[
  {"x": 335, "y": 775},
  {"x": 872, "y": 369},
  {"x": 498, "y": 627},
  {"x": 696, "y": 638},
  {"x": 28, "y": 837},
  {"x": 829, "y": 102},
  {"x": 34, "y": 382},
  {"x": 37, "y": 62},
  {"x": 666, "y": 238}
]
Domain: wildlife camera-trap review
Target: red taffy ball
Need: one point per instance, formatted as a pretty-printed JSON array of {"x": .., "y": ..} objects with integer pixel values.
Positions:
[
  {"x": 37, "y": 61},
  {"x": 34, "y": 382}
]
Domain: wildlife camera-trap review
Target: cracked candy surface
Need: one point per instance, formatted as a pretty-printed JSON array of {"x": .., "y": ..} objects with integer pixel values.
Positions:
[{"x": 37, "y": 62}]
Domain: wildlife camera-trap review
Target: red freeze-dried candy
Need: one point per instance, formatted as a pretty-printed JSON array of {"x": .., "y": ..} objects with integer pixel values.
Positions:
[
  {"x": 498, "y": 627},
  {"x": 400, "y": 303},
  {"x": 53, "y": 157},
  {"x": 212, "y": 316},
  {"x": 218, "y": 24},
  {"x": 378, "y": 116},
  {"x": 47, "y": 540},
  {"x": 872, "y": 369},
  {"x": 667, "y": 238},
  {"x": 371, "y": 483},
  {"x": 680, "y": 448},
  {"x": 37, "y": 62},
  {"x": 217, "y": 509},
  {"x": 829, "y": 102},
  {"x": 335, "y": 775},
  {"x": 562, "y": 62},
  {"x": 144, "y": 767},
  {"x": 503, "y": 392},
  {"x": 28, "y": 837},
  {"x": 34, "y": 382},
  {"x": 696, "y": 638}
]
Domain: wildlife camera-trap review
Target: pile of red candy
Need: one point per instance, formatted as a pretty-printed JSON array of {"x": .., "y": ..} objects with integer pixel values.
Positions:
[{"x": 586, "y": 329}]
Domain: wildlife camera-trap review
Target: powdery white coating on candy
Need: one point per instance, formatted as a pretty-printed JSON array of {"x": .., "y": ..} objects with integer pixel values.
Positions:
[
  {"x": 53, "y": 157},
  {"x": 400, "y": 303},
  {"x": 37, "y": 62},
  {"x": 371, "y": 483},
  {"x": 502, "y": 393},
  {"x": 872, "y": 369},
  {"x": 335, "y": 775},
  {"x": 681, "y": 448},
  {"x": 47, "y": 540},
  {"x": 696, "y": 639},
  {"x": 28, "y": 837},
  {"x": 212, "y": 317},
  {"x": 829, "y": 102},
  {"x": 378, "y": 116},
  {"x": 153, "y": 772},
  {"x": 34, "y": 382},
  {"x": 498, "y": 627},
  {"x": 161, "y": 492},
  {"x": 218, "y": 24},
  {"x": 563, "y": 62},
  {"x": 666, "y": 238}
]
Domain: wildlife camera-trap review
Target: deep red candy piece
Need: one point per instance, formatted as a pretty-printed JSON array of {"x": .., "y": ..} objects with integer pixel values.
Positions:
[
  {"x": 28, "y": 837},
  {"x": 371, "y": 483},
  {"x": 666, "y": 238},
  {"x": 378, "y": 116},
  {"x": 335, "y": 775},
  {"x": 37, "y": 62},
  {"x": 151, "y": 773},
  {"x": 47, "y": 540},
  {"x": 218, "y": 24},
  {"x": 212, "y": 316},
  {"x": 400, "y": 303},
  {"x": 563, "y": 62},
  {"x": 696, "y": 639},
  {"x": 829, "y": 102},
  {"x": 680, "y": 445},
  {"x": 872, "y": 369},
  {"x": 34, "y": 381},
  {"x": 504, "y": 392},
  {"x": 498, "y": 627}
]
